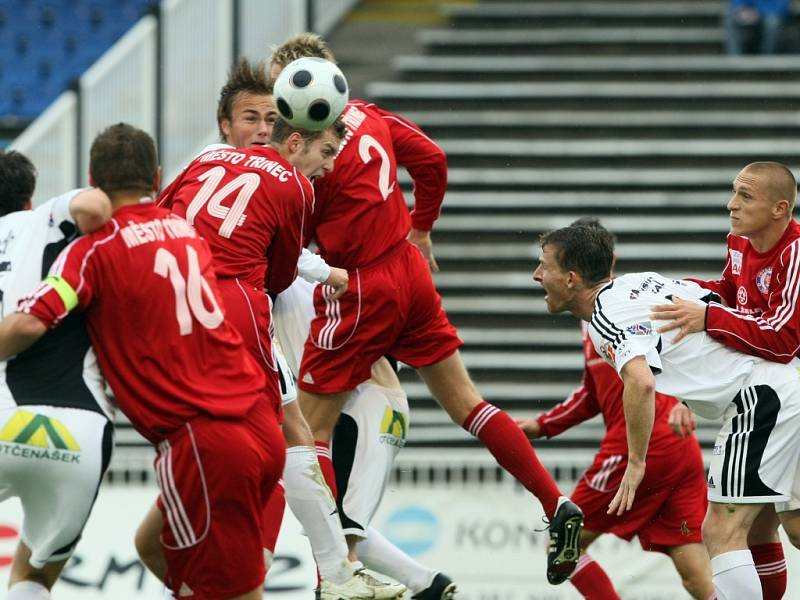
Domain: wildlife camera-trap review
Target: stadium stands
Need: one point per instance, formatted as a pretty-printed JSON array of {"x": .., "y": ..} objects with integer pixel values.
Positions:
[{"x": 46, "y": 44}]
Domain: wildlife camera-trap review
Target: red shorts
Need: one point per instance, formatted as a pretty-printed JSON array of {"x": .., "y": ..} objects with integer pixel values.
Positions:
[
  {"x": 250, "y": 311},
  {"x": 669, "y": 506},
  {"x": 272, "y": 517},
  {"x": 212, "y": 534},
  {"x": 391, "y": 308}
]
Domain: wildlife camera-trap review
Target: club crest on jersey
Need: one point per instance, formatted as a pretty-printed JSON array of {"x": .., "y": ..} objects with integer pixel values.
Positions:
[
  {"x": 741, "y": 296},
  {"x": 763, "y": 279},
  {"x": 643, "y": 328},
  {"x": 736, "y": 262},
  {"x": 607, "y": 350}
]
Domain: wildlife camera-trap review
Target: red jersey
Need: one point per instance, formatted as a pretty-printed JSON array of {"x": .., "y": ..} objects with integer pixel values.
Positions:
[
  {"x": 146, "y": 282},
  {"x": 763, "y": 288},
  {"x": 361, "y": 212},
  {"x": 601, "y": 393},
  {"x": 252, "y": 206}
]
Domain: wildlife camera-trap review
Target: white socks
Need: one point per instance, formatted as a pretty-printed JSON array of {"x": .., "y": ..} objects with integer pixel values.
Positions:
[
  {"x": 28, "y": 590},
  {"x": 381, "y": 555},
  {"x": 311, "y": 501},
  {"x": 734, "y": 576}
]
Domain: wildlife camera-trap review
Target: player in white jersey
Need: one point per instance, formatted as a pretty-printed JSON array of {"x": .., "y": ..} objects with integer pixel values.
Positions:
[
  {"x": 56, "y": 432},
  {"x": 756, "y": 454}
]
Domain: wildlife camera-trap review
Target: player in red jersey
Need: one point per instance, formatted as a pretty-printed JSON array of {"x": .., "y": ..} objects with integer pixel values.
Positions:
[
  {"x": 392, "y": 308},
  {"x": 759, "y": 288},
  {"x": 259, "y": 255},
  {"x": 177, "y": 368}
]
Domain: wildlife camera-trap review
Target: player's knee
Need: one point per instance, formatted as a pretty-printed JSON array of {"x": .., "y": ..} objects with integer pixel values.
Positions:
[
  {"x": 794, "y": 537},
  {"x": 148, "y": 546},
  {"x": 697, "y": 585}
]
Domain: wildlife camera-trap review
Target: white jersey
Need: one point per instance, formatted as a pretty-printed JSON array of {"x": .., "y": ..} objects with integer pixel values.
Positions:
[
  {"x": 698, "y": 370},
  {"x": 60, "y": 369}
]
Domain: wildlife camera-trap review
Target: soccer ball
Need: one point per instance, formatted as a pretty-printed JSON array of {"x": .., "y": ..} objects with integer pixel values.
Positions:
[{"x": 311, "y": 93}]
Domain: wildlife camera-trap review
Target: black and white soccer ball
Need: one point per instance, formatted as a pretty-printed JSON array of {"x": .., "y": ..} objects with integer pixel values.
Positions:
[{"x": 311, "y": 93}]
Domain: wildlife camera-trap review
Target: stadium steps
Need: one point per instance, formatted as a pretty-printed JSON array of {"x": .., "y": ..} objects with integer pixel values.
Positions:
[
  {"x": 596, "y": 68},
  {"x": 566, "y": 125},
  {"x": 554, "y": 110},
  {"x": 607, "y": 95}
]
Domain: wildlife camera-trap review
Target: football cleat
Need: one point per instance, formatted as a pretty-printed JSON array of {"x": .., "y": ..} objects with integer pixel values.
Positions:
[
  {"x": 361, "y": 586},
  {"x": 442, "y": 588},
  {"x": 565, "y": 541}
]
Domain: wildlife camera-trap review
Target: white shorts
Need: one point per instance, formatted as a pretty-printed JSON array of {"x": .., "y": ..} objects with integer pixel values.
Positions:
[
  {"x": 371, "y": 431},
  {"x": 53, "y": 459},
  {"x": 292, "y": 313},
  {"x": 756, "y": 453},
  {"x": 285, "y": 376}
]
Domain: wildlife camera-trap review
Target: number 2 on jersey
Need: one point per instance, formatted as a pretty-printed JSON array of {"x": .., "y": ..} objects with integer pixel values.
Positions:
[
  {"x": 232, "y": 216},
  {"x": 367, "y": 143},
  {"x": 189, "y": 292}
]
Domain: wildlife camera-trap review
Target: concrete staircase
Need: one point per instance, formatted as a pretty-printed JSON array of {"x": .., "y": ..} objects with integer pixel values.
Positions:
[{"x": 549, "y": 111}]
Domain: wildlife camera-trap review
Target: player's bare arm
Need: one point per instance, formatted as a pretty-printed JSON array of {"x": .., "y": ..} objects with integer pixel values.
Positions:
[
  {"x": 687, "y": 316},
  {"x": 91, "y": 209},
  {"x": 682, "y": 420},
  {"x": 18, "y": 332},
  {"x": 422, "y": 240},
  {"x": 530, "y": 427},
  {"x": 638, "y": 398}
]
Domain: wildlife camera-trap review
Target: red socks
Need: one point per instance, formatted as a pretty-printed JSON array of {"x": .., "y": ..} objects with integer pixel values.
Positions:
[
  {"x": 512, "y": 450},
  {"x": 326, "y": 465},
  {"x": 771, "y": 568},
  {"x": 591, "y": 581}
]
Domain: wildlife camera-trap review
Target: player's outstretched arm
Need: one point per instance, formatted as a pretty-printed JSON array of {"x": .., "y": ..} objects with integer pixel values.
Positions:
[
  {"x": 530, "y": 427},
  {"x": 639, "y": 400},
  {"x": 18, "y": 332},
  {"x": 91, "y": 209}
]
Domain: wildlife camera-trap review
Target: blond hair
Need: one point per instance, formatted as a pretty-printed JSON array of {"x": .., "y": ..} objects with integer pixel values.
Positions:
[{"x": 300, "y": 46}]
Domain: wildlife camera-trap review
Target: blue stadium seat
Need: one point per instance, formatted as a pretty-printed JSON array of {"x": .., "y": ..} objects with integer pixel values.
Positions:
[{"x": 50, "y": 43}]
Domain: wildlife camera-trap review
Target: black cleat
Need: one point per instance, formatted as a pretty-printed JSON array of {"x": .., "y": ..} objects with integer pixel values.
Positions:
[
  {"x": 442, "y": 588},
  {"x": 565, "y": 541}
]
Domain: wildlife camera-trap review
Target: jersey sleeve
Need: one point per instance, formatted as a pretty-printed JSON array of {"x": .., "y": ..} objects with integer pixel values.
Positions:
[
  {"x": 775, "y": 333},
  {"x": 59, "y": 208},
  {"x": 725, "y": 287},
  {"x": 289, "y": 240},
  {"x": 67, "y": 287},
  {"x": 425, "y": 162},
  {"x": 312, "y": 267},
  {"x": 619, "y": 341},
  {"x": 579, "y": 407}
]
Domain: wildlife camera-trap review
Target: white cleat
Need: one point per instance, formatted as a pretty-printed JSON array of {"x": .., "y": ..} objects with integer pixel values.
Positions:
[{"x": 361, "y": 586}]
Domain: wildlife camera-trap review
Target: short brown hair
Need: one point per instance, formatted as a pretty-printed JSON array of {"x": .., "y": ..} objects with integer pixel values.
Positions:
[
  {"x": 123, "y": 159},
  {"x": 17, "y": 181},
  {"x": 300, "y": 46},
  {"x": 585, "y": 248},
  {"x": 779, "y": 180},
  {"x": 283, "y": 129},
  {"x": 244, "y": 77}
]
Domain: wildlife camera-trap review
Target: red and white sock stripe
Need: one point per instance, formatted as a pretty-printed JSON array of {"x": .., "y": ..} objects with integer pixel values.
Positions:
[{"x": 481, "y": 418}]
